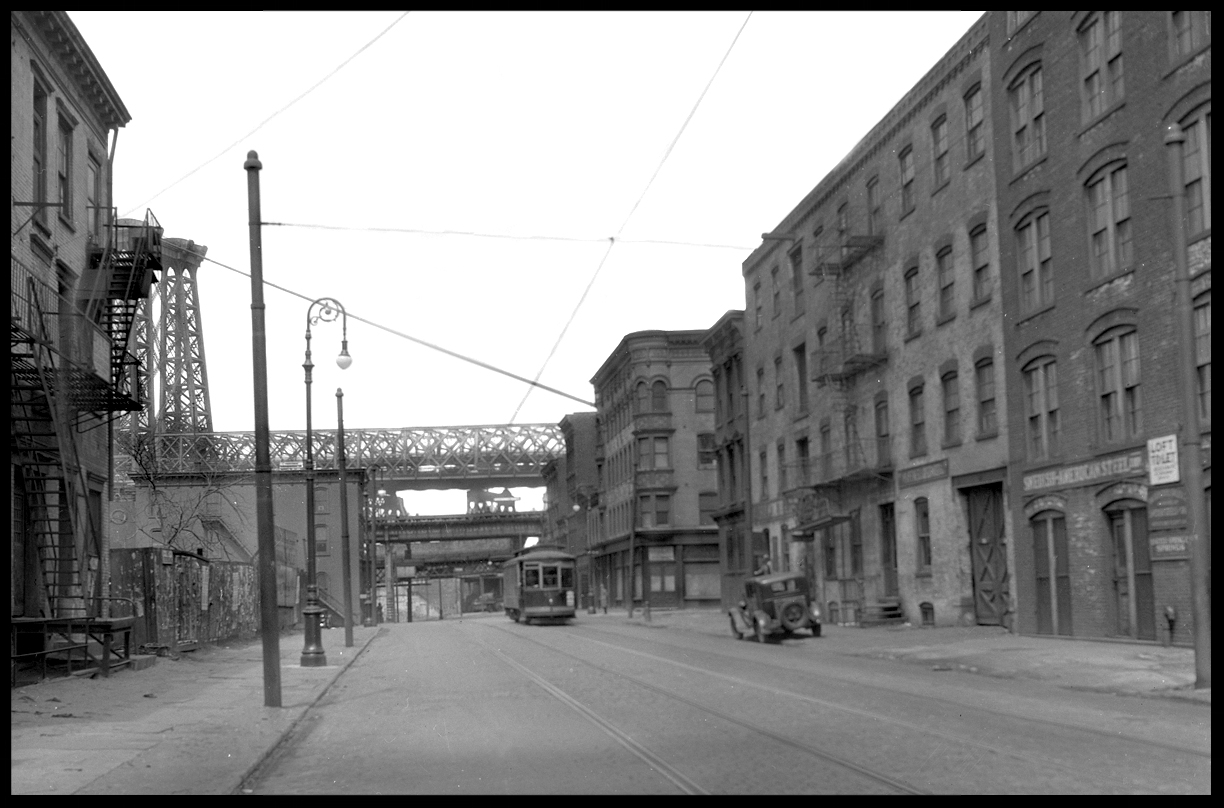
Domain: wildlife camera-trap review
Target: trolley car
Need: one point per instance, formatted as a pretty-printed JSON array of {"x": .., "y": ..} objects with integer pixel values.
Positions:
[{"x": 539, "y": 585}]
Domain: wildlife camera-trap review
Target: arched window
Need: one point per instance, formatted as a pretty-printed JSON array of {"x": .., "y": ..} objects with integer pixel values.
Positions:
[
  {"x": 705, "y": 396},
  {"x": 658, "y": 396},
  {"x": 642, "y": 399}
]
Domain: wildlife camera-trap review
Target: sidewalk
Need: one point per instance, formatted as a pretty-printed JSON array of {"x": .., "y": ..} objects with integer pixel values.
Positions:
[
  {"x": 1106, "y": 666},
  {"x": 132, "y": 732}
]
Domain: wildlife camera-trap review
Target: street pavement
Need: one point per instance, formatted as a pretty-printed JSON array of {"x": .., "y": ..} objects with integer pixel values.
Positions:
[{"x": 197, "y": 725}]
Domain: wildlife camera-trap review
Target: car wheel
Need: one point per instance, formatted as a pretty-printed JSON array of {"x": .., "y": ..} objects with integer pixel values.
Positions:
[
  {"x": 792, "y": 617},
  {"x": 735, "y": 632},
  {"x": 761, "y": 633}
]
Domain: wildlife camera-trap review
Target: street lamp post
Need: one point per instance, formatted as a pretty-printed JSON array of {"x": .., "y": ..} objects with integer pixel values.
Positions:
[
  {"x": 313, "y": 655},
  {"x": 269, "y": 617},
  {"x": 345, "y": 551}
]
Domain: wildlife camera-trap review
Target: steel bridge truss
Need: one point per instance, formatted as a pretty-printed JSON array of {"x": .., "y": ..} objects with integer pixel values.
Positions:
[{"x": 446, "y": 454}]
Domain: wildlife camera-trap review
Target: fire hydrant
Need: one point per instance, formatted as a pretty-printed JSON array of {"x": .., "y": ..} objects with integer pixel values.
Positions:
[{"x": 1171, "y": 619}]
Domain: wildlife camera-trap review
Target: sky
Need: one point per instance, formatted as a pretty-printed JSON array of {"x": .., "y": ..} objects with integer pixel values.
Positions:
[{"x": 515, "y": 146}]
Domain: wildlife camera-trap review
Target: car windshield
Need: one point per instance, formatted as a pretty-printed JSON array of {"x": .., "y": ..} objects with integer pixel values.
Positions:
[{"x": 789, "y": 585}]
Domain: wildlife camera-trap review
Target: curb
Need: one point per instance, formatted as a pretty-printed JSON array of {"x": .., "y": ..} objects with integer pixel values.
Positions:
[{"x": 264, "y": 759}]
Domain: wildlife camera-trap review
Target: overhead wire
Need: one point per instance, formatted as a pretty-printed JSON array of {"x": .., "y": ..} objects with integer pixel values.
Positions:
[
  {"x": 401, "y": 334},
  {"x": 612, "y": 241},
  {"x": 265, "y": 121}
]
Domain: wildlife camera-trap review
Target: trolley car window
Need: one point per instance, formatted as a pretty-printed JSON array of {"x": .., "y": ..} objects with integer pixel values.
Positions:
[
  {"x": 531, "y": 576},
  {"x": 567, "y": 578},
  {"x": 550, "y": 577}
]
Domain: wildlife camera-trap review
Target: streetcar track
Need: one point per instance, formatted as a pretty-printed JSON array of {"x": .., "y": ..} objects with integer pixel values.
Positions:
[
  {"x": 820, "y": 754},
  {"x": 650, "y": 758},
  {"x": 1116, "y": 736}
]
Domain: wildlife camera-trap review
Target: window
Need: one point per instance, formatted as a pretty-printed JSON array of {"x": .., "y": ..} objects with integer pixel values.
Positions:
[
  {"x": 907, "y": 180},
  {"x": 760, "y": 392},
  {"x": 707, "y": 504},
  {"x": 796, "y": 266},
  {"x": 947, "y": 283},
  {"x": 782, "y": 481},
  {"x": 707, "y": 449},
  {"x": 856, "y": 544},
  {"x": 830, "y": 561},
  {"x": 756, "y": 297},
  {"x": 918, "y": 446},
  {"x": 874, "y": 211},
  {"x": 1101, "y": 60},
  {"x": 939, "y": 142},
  {"x": 1117, "y": 359},
  {"x": 802, "y": 452},
  {"x": 1015, "y": 19},
  {"x": 780, "y": 384},
  {"x": 705, "y": 396},
  {"x": 764, "y": 476},
  {"x": 658, "y": 397},
  {"x": 922, "y": 531},
  {"x": 1196, "y": 164},
  {"x": 1191, "y": 31},
  {"x": 801, "y": 376},
  {"x": 1028, "y": 118},
  {"x": 1033, "y": 259},
  {"x": 988, "y": 424},
  {"x": 40, "y": 151},
  {"x": 913, "y": 303},
  {"x": 826, "y": 451},
  {"x": 879, "y": 334},
  {"x": 843, "y": 222},
  {"x": 821, "y": 334},
  {"x": 975, "y": 136},
  {"x": 777, "y": 292},
  {"x": 1202, "y": 353},
  {"x": 1041, "y": 408},
  {"x": 951, "y": 399},
  {"x": 93, "y": 199},
  {"x": 654, "y": 453},
  {"x": 980, "y": 251},
  {"x": 1109, "y": 221},
  {"x": 321, "y": 537},
  {"x": 654, "y": 510},
  {"x": 641, "y": 401},
  {"x": 883, "y": 446},
  {"x": 854, "y": 451},
  {"x": 64, "y": 169}
]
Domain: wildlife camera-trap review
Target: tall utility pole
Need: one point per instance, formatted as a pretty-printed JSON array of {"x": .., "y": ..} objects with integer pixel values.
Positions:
[
  {"x": 346, "y": 564},
  {"x": 269, "y": 617},
  {"x": 1191, "y": 432}
]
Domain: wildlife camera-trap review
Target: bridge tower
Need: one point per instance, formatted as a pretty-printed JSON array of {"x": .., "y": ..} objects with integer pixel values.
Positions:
[{"x": 170, "y": 346}]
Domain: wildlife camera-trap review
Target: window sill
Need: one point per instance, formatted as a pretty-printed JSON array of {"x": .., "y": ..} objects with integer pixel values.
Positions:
[
  {"x": 939, "y": 187},
  {"x": 67, "y": 223},
  {"x": 981, "y": 301},
  {"x": 1182, "y": 61},
  {"x": 1034, "y": 314},
  {"x": 988, "y": 435},
  {"x": 41, "y": 226},
  {"x": 974, "y": 159},
  {"x": 1023, "y": 171},
  {"x": 1105, "y": 280},
  {"x": 923, "y": 574},
  {"x": 1101, "y": 116},
  {"x": 947, "y": 318},
  {"x": 913, "y": 335},
  {"x": 951, "y": 445},
  {"x": 916, "y": 456}
]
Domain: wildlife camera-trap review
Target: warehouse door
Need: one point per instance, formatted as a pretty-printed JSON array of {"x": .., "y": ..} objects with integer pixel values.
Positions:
[{"x": 987, "y": 553}]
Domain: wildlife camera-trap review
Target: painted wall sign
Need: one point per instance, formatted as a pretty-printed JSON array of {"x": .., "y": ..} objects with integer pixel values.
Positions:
[
  {"x": 1170, "y": 546},
  {"x": 1123, "y": 490},
  {"x": 922, "y": 474},
  {"x": 1113, "y": 466},
  {"x": 1162, "y": 460},
  {"x": 1168, "y": 510},
  {"x": 1049, "y": 502}
]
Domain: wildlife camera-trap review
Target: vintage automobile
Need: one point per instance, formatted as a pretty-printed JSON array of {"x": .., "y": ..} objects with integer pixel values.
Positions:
[{"x": 773, "y": 604}]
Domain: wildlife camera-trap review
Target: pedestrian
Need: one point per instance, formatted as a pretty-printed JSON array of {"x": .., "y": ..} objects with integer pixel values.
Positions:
[{"x": 603, "y": 597}]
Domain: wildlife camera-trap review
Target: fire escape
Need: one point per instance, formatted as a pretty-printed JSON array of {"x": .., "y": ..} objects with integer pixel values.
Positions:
[{"x": 70, "y": 363}]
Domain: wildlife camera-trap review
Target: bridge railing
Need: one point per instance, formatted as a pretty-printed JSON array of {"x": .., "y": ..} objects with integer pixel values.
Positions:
[{"x": 514, "y": 450}]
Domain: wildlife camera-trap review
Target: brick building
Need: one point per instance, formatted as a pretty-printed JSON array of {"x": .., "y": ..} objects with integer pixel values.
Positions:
[
  {"x": 76, "y": 278},
  {"x": 741, "y": 552},
  {"x": 1088, "y": 263},
  {"x": 874, "y": 362},
  {"x": 658, "y": 491}
]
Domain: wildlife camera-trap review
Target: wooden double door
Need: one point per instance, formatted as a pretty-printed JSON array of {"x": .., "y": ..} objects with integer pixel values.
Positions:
[{"x": 988, "y": 553}]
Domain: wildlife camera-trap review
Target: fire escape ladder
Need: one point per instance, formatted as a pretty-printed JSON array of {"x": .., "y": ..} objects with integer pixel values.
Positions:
[{"x": 44, "y": 444}]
